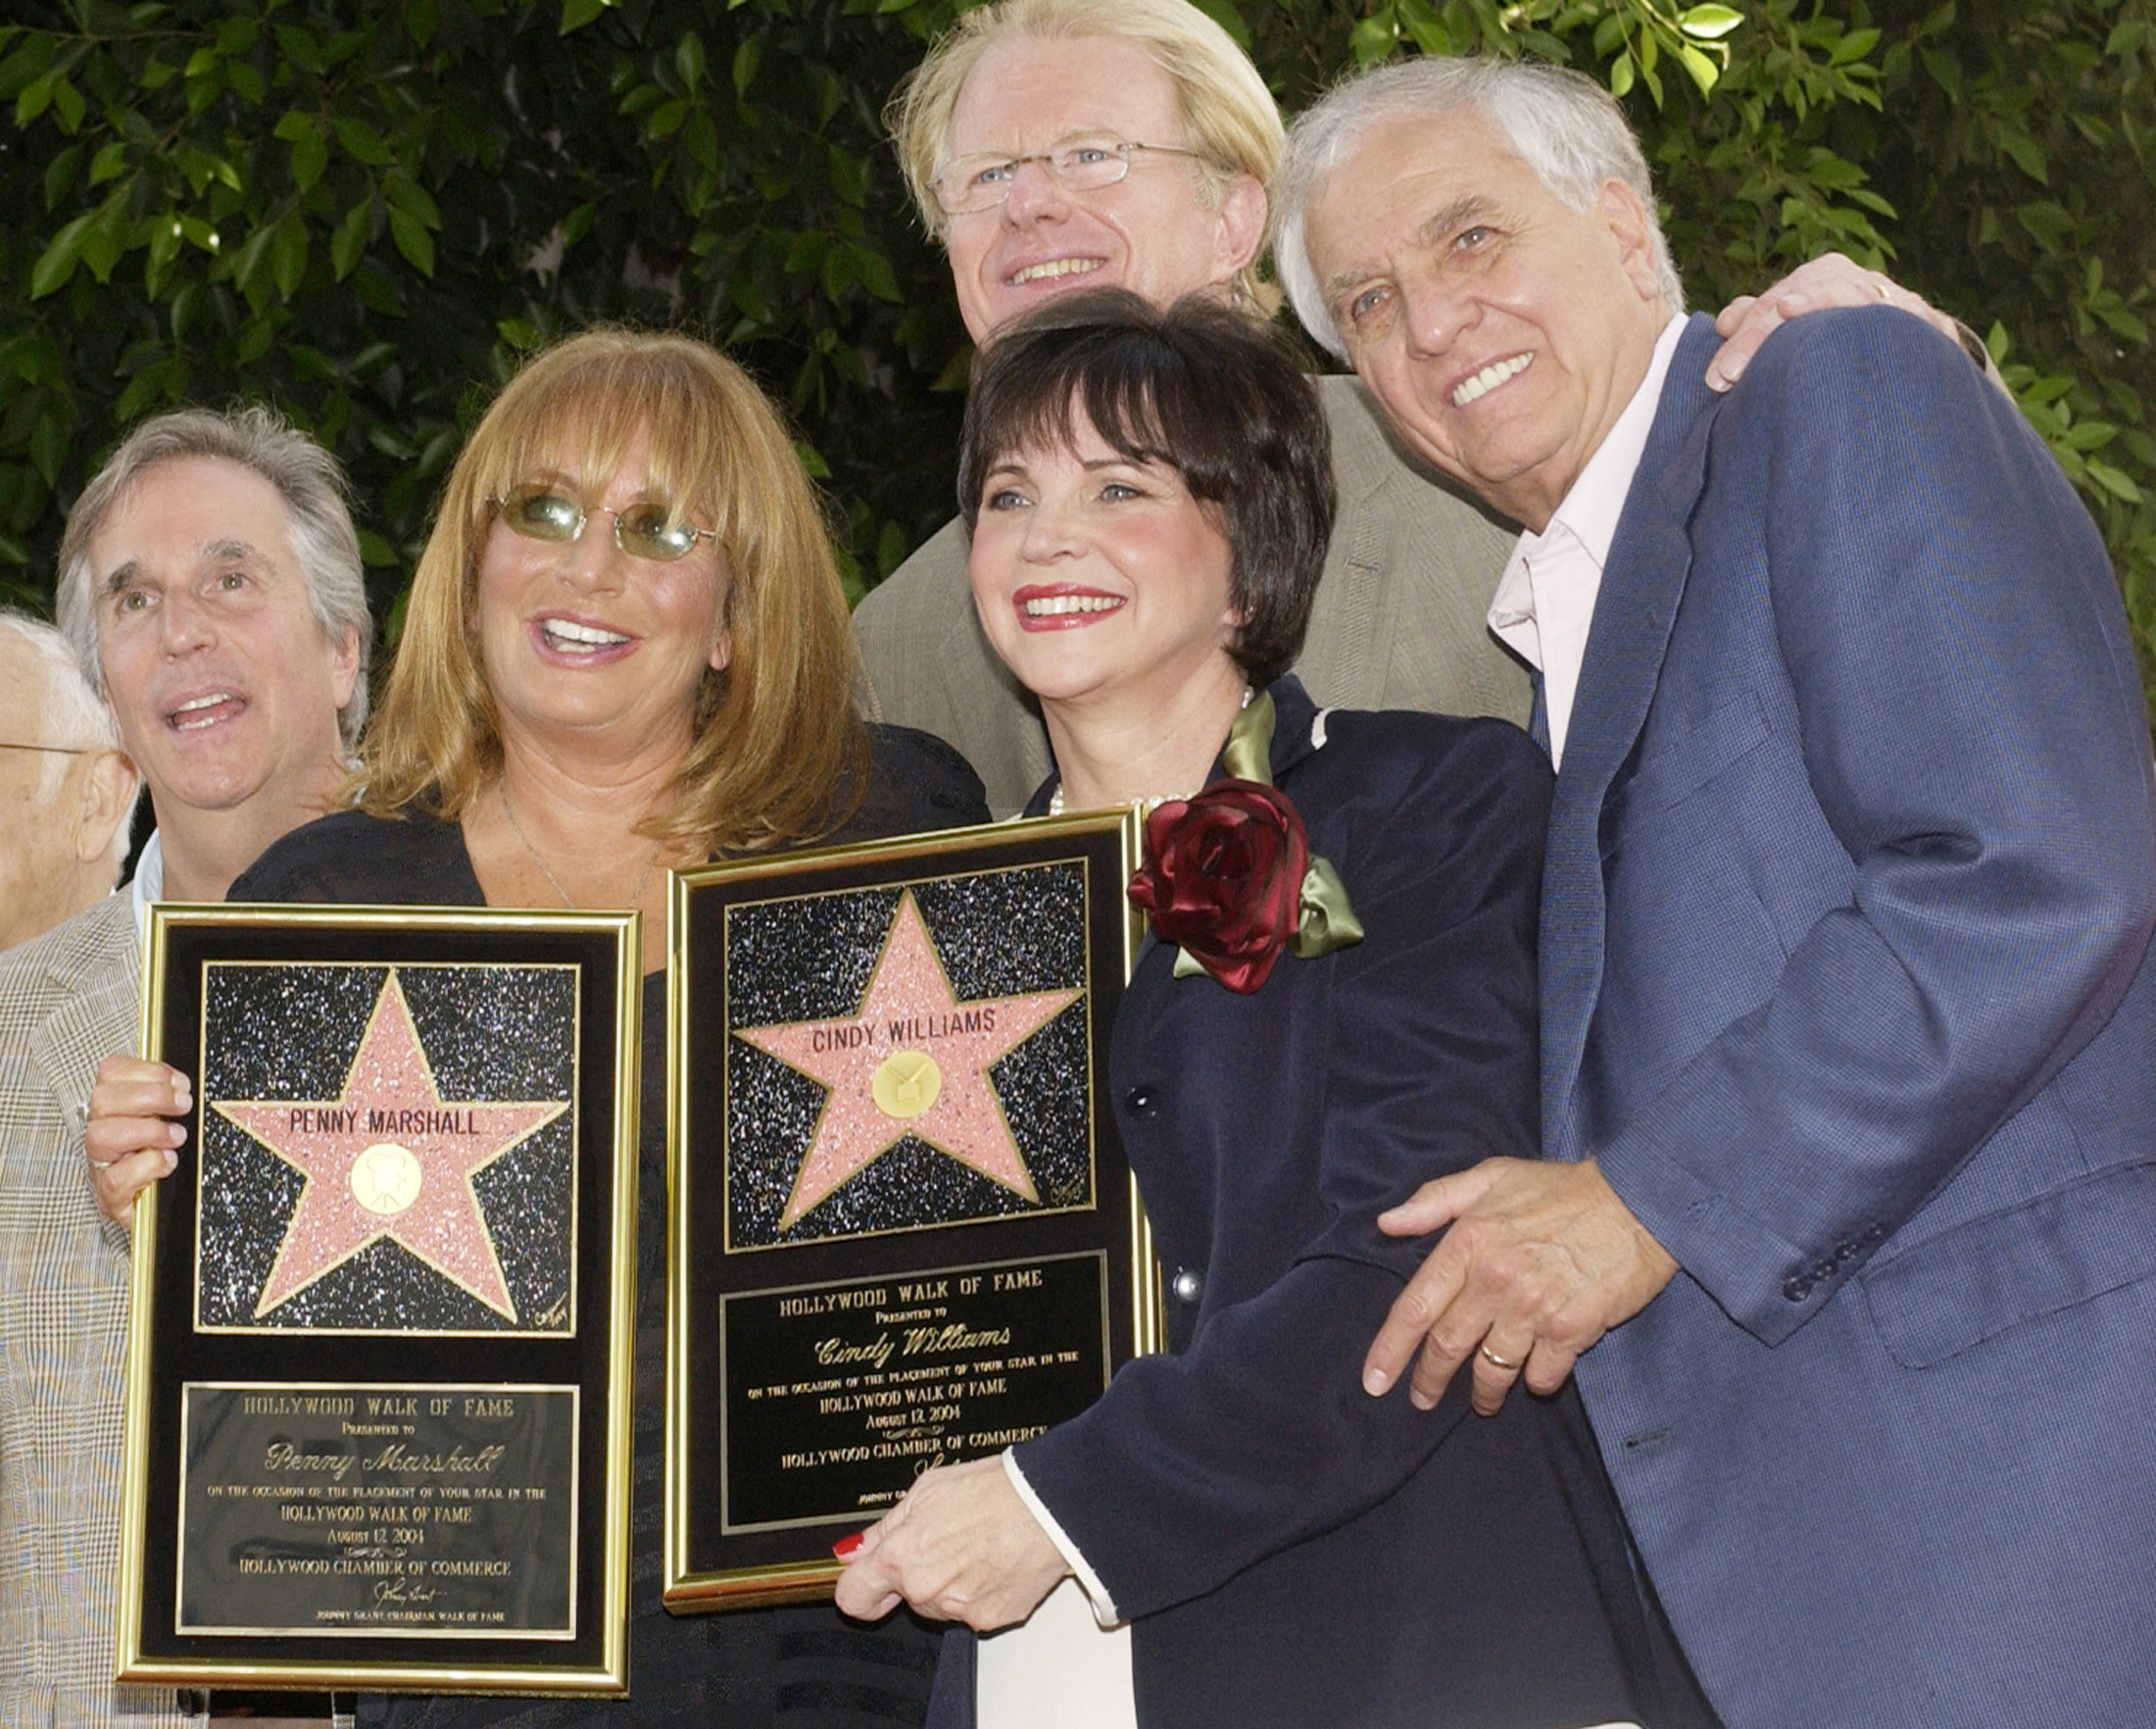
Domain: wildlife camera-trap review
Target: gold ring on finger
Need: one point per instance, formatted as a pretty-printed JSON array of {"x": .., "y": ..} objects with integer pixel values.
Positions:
[{"x": 1506, "y": 1363}]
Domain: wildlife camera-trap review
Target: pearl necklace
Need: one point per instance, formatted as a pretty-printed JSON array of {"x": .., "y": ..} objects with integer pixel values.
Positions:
[{"x": 1147, "y": 806}]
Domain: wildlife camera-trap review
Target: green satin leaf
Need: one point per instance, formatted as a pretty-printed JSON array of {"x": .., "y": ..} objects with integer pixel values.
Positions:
[
  {"x": 1187, "y": 966},
  {"x": 1248, "y": 753},
  {"x": 1329, "y": 920}
]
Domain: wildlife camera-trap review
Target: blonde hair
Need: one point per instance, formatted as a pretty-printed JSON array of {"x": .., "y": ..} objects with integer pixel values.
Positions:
[
  {"x": 776, "y": 748},
  {"x": 1229, "y": 117}
]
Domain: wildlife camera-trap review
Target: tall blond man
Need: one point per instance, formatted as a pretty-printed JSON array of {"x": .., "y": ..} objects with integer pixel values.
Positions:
[{"x": 210, "y": 587}]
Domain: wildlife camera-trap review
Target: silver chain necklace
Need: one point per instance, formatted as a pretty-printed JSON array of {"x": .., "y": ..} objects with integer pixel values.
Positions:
[{"x": 636, "y": 895}]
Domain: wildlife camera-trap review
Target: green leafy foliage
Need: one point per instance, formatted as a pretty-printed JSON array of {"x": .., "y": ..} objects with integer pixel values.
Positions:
[
  {"x": 368, "y": 213},
  {"x": 2017, "y": 142}
]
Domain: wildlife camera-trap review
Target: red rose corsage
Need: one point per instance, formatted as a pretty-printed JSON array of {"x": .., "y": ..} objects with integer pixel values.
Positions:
[
  {"x": 1223, "y": 879},
  {"x": 1229, "y": 876}
]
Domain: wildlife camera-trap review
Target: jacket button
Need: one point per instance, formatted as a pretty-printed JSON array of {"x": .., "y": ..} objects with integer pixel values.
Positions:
[
  {"x": 1143, "y": 1100},
  {"x": 1796, "y": 1288},
  {"x": 1187, "y": 1285}
]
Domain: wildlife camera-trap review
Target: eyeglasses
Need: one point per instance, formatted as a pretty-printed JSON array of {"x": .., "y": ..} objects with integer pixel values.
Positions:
[
  {"x": 55, "y": 750},
  {"x": 543, "y": 512},
  {"x": 970, "y": 184}
]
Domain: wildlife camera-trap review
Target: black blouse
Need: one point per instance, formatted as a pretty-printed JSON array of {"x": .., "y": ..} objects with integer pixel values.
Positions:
[{"x": 801, "y": 1667}]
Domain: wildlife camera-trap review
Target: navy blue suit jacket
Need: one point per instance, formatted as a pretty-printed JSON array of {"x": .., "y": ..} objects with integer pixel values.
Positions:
[
  {"x": 1848, "y": 895},
  {"x": 1291, "y": 1551}
]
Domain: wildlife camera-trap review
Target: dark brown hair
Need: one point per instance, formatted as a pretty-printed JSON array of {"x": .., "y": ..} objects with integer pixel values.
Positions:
[{"x": 1197, "y": 388}]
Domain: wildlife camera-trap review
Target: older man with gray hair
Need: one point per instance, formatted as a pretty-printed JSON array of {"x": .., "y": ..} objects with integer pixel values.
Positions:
[
  {"x": 1849, "y": 1220},
  {"x": 211, "y": 586},
  {"x": 67, "y": 790}
]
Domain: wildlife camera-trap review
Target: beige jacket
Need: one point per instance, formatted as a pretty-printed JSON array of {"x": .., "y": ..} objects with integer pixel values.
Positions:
[
  {"x": 66, "y": 1000},
  {"x": 1398, "y": 622}
]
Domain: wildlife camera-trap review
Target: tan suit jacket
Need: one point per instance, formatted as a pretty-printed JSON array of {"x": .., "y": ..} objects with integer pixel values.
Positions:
[
  {"x": 66, "y": 1000},
  {"x": 1400, "y": 620}
]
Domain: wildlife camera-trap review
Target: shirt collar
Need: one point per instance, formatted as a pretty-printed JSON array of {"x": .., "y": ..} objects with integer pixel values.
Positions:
[
  {"x": 1590, "y": 508},
  {"x": 149, "y": 881}
]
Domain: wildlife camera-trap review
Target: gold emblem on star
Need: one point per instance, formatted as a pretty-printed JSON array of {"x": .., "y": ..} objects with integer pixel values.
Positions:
[{"x": 912, "y": 1060}]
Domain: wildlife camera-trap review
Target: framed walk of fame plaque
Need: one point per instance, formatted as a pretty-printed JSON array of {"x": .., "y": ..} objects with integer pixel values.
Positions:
[
  {"x": 379, "y": 1357},
  {"x": 902, "y": 1233}
]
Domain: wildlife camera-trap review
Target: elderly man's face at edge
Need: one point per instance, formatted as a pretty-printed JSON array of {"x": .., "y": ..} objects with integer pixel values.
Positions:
[
  {"x": 1503, "y": 334},
  {"x": 1153, "y": 232}
]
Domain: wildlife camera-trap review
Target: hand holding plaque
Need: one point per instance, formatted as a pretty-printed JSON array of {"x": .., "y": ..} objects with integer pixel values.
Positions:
[{"x": 380, "y": 1339}]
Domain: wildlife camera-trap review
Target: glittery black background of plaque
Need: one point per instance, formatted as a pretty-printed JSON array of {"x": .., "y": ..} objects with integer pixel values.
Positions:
[
  {"x": 290, "y": 1031},
  {"x": 1000, "y": 933}
]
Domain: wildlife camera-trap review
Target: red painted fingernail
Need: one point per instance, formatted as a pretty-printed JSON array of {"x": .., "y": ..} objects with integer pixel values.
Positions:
[{"x": 844, "y": 1548}]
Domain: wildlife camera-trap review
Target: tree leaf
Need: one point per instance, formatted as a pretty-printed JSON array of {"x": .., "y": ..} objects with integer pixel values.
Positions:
[
  {"x": 254, "y": 340},
  {"x": 2119, "y": 484},
  {"x": 56, "y": 264},
  {"x": 35, "y": 97},
  {"x": 48, "y": 446},
  {"x": 1853, "y": 46},
  {"x": 1709, "y": 24},
  {"x": 412, "y": 240},
  {"x": 24, "y": 65},
  {"x": 60, "y": 173},
  {"x": 288, "y": 255},
  {"x": 576, "y": 14},
  {"x": 349, "y": 242},
  {"x": 2026, "y": 153},
  {"x": 1225, "y": 13},
  {"x": 876, "y": 274},
  {"x": 689, "y": 61},
  {"x": 746, "y": 58},
  {"x": 309, "y": 156},
  {"x": 361, "y": 142}
]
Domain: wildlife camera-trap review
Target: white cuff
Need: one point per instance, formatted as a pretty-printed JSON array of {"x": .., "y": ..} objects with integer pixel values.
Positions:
[{"x": 1104, "y": 1606}]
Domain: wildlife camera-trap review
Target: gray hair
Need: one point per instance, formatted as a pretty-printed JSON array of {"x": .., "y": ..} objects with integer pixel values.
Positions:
[
  {"x": 1562, "y": 124},
  {"x": 324, "y": 545},
  {"x": 72, "y": 716}
]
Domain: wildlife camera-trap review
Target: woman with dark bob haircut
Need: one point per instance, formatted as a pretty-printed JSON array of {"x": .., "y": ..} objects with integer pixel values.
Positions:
[{"x": 1336, "y": 1004}]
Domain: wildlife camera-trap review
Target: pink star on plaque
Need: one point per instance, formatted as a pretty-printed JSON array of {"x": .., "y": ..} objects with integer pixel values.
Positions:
[
  {"x": 392, "y": 1158},
  {"x": 912, "y": 1061}
]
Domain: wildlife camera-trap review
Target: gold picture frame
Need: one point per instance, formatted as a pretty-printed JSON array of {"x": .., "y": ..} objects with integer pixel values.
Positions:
[
  {"x": 381, "y": 1340},
  {"x": 901, "y": 1229}
]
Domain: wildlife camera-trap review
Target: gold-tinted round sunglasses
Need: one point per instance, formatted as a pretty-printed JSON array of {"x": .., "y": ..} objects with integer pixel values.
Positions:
[{"x": 542, "y": 511}]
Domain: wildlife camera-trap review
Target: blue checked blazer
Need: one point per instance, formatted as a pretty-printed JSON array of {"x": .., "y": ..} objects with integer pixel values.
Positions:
[{"x": 1846, "y": 914}]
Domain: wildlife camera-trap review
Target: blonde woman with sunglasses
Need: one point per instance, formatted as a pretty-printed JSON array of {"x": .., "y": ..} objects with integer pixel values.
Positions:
[{"x": 625, "y": 649}]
